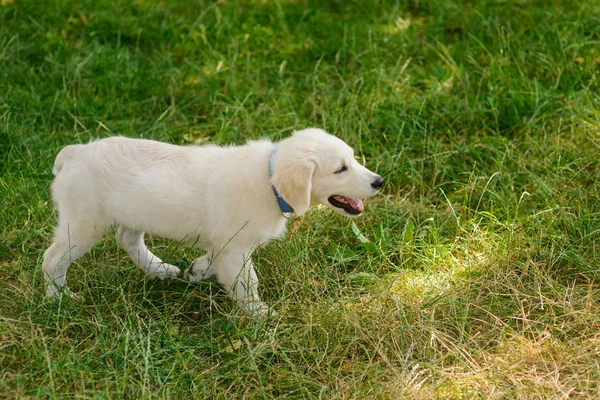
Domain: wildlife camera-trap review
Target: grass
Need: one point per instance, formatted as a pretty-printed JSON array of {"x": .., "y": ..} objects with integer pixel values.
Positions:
[{"x": 474, "y": 275}]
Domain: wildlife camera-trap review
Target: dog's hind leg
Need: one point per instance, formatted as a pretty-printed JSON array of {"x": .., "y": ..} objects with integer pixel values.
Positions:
[
  {"x": 133, "y": 243},
  {"x": 201, "y": 268},
  {"x": 71, "y": 241}
]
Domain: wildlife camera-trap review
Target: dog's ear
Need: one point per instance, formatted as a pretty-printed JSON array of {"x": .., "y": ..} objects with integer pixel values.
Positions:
[{"x": 292, "y": 177}]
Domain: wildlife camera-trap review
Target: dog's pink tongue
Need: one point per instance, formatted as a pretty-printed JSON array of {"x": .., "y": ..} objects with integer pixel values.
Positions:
[{"x": 357, "y": 204}]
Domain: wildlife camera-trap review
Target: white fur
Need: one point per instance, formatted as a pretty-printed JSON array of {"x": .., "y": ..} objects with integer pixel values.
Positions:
[{"x": 218, "y": 198}]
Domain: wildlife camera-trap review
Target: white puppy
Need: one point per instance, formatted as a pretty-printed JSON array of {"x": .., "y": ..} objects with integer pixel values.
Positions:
[{"x": 226, "y": 200}]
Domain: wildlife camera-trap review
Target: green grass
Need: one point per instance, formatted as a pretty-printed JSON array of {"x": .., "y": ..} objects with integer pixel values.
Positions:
[{"x": 477, "y": 275}]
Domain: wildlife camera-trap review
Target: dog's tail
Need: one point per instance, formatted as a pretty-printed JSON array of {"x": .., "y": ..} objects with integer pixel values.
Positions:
[{"x": 64, "y": 156}]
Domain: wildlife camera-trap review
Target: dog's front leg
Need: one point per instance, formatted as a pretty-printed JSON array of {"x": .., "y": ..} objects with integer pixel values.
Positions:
[{"x": 236, "y": 273}]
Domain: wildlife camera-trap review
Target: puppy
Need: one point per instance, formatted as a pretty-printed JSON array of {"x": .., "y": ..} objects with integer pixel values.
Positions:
[{"x": 226, "y": 200}]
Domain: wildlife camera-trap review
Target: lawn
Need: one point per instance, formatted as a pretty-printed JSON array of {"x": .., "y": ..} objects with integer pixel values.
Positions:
[{"x": 475, "y": 274}]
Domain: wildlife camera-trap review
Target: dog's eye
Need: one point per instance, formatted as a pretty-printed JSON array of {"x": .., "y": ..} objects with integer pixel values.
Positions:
[{"x": 344, "y": 168}]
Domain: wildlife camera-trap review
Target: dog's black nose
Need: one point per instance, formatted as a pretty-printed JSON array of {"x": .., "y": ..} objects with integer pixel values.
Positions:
[{"x": 377, "y": 183}]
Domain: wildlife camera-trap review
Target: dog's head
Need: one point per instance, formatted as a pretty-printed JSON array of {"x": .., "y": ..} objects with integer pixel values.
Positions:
[{"x": 313, "y": 167}]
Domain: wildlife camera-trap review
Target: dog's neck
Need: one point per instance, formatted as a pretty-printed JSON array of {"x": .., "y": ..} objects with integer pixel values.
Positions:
[{"x": 283, "y": 205}]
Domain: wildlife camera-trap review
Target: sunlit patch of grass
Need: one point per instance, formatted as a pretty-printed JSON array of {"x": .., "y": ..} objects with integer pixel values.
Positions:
[
  {"x": 469, "y": 255},
  {"x": 417, "y": 287}
]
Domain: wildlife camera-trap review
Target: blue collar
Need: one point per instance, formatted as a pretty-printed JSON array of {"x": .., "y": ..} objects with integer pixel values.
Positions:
[{"x": 283, "y": 205}]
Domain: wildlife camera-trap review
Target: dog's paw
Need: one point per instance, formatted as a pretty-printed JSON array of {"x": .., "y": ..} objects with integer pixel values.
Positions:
[
  {"x": 54, "y": 292},
  {"x": 200, "y": 269},
  {"x": 257, "y": 308},
  {"x": 162, "y": 271}
]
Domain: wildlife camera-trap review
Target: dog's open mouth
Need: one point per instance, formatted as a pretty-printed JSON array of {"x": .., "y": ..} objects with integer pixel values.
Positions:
[{"x": 351, "y": 206}]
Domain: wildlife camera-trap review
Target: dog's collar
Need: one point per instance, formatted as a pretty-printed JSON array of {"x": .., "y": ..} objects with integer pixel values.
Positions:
[{"x": 283, "y": 205}]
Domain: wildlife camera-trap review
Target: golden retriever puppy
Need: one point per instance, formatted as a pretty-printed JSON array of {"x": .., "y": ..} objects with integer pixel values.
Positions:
[{"x": 226, "y": 200}]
